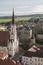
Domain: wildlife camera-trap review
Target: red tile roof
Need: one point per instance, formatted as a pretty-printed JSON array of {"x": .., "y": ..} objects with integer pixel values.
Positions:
[
  {"x": 4, "y": 36},
  {"x": 5, "y": 60},
  {"x": 8, "y": 62},
  {"x": 3, "y": 54}
]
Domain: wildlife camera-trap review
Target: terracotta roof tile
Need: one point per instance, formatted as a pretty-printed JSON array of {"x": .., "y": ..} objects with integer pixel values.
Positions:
[{"x": 9, "y": 62}]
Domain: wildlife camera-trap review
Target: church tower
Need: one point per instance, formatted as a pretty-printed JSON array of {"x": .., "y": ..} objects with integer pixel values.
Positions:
[
  {"x": 13, "y": 17},
  {"x": 13, "y": 44}
]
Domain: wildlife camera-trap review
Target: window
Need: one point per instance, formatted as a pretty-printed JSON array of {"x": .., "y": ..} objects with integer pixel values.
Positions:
[
  {"x": 30, "y": 63},
  {"x": 35, "y": 63},
  {"x": 26, "y": 58},
  {"x": 41, "y": 60},
  {"x": 30, "y": 59},
  {"x": 35, "y": 59},
  {"x": 26, "y": 64},
  {"x": 23, "y": 57},
  {"x": 39, "y": 64},
  {"x": 38, "y": 59}
]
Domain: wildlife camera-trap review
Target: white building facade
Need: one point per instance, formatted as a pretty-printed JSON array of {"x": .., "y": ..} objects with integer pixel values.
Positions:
[
  {"x": 34, "y": 56},
  {"x": 13, "y": 44},
  {"x": 32, "y": 60}
]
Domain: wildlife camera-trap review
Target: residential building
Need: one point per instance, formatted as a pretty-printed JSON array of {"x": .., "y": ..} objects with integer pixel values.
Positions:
[
  {"x": 3, "y": 54},
  {"x": 2, "y": 28},
  {"x": 40, "y": 36},
  {"x": 24, "y": 33},
  {"x": 5, "y": 60},
  {"x": 41, "y": 19},
  {"x": 34, "y": 56}
]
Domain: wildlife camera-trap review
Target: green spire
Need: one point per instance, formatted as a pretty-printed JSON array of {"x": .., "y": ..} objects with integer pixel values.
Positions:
[{"x": 13, "y": 17}]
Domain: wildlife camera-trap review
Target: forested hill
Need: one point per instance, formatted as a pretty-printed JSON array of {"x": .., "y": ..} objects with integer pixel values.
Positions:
[{"x": 33, "y": 15}]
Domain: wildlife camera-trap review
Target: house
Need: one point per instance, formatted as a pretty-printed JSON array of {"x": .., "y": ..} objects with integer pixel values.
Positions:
[
  {"x": 41, "y": 19},
  {"x": 40, "y": 36},
  {"x": 24, "y": 33},
  {"x": 2, "y": 28},
  {"x": 5, "y": 60},
  {"x": 3, "y": 54},
  {"x": 34, "y": 56}
]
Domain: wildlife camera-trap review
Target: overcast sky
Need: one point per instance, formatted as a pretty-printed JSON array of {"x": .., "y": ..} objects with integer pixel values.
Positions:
[{"x": 21, "y": 7}]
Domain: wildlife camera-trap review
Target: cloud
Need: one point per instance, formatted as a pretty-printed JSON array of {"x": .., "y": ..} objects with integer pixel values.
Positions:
[
  {"x": 4, "y": 13},
  {"x": 21, "y": 7},
  {"x": 38, "y": 9},
  {"x": 24, "y": 10},
  {"x": 35, "y": 10}
]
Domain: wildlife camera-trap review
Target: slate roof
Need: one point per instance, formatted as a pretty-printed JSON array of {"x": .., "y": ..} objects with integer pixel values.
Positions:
[{"x": 38, "y": 53}]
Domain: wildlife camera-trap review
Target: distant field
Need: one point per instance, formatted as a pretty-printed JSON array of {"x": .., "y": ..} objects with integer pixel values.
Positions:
[
  {"x": 16, "y": 19},
  {"x": 22, "y": 18},
  {"x": 4, "y": 20}
]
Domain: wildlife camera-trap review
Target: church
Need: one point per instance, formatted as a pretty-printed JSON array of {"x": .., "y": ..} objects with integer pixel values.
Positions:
[
  {"x": 8, "y": 38},
  {"x": 13, "y": 43}
]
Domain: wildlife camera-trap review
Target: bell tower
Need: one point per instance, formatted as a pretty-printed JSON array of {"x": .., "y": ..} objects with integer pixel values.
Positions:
[{"x": 13, "y": 44}]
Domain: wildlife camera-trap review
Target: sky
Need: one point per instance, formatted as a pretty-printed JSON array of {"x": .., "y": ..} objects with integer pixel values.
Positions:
[{"x": 21, "y": 7}]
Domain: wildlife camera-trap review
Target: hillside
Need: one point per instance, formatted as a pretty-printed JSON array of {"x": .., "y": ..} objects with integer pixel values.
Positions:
[{"x": 9, "y": 17}]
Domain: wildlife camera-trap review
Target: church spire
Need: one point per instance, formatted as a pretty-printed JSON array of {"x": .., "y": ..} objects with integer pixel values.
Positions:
[{"x": 13, "y": 17}]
